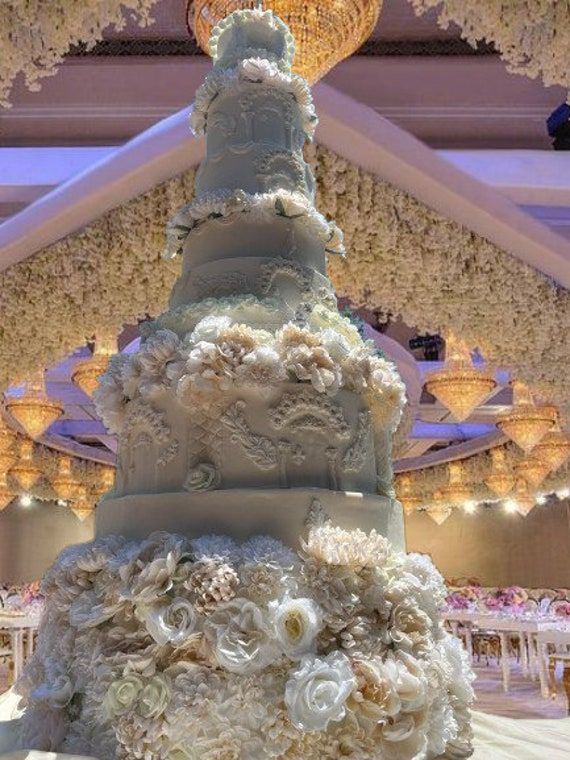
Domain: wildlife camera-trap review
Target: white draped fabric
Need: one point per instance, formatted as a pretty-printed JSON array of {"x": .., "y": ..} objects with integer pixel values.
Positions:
[{"x": 495, "y": 738}]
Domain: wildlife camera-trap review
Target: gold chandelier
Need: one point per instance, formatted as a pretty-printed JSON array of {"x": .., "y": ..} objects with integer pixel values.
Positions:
[
  {"x": 82, "y": 508},
  {"x": 64, "y": 483},
  {"x": 87, "y": 372},
  {"x": 325, "y": 32},
  {"x": 533, "y": 470},
  {"x": 7, "y": 436},
  {"x": 439, "y": 510},
  {"x": 6, "y": 495},
  {"x": 407, "y": 494},
  {"x": 457, "y": 492},
  {"x": 526, "y": 423},
  {"x": 34, "y": 410},
  {"x": 553, "y": 449},
  {"x": 105, "y": 483},
  {"x": 501, "y": 479},
  {"x": 459, "y": 386},
  {"x": 525, "y": 501},
  {"x": 25, "y": 471},
  {"x": 6, "y": 461}
]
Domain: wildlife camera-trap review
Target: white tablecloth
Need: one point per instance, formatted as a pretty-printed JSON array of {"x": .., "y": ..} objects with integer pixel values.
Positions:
[{"x": 495, "y": 738}]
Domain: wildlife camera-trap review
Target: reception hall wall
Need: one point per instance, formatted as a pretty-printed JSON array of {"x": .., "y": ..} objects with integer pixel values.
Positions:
[{"x": 499, "y": 548}]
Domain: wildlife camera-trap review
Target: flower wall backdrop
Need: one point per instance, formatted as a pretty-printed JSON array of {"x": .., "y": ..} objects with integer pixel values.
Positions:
[{"x": 402, "y": 257}]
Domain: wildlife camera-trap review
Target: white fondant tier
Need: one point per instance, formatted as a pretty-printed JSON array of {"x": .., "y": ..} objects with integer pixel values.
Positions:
[
  {"x": 245, "y": 512},
  {"x": 284, "y": 437}
]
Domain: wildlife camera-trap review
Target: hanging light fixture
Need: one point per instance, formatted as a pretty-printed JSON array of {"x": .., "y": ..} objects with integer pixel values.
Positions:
[
  {"x": 65, "y": 485},
  {"x": 105, "y": 483},
  {"x": 87, "y": 372},
  {"x": 533, "y": 470},
  {"x": 7, "y": 459},
  {"x": 6, "y": 495},
  {"x": 325, "y": 32},
  {"x": 407, "y": 494},
  {"x": 459, "y": 386},
  {"x": 553, "y": 449},
  {"x": 82, "y": 508},
  {"x": 501, "y": 478},
  {"x": 526, "y": 423},
  {"x": 7, "y": 436},
  {"x": 457, "y": 492},
  {"x": 34, "y": 410},
  {"x": 25, "y": 471},
  {"x": 439, "y": 510},
  {"x": 523, "y": 499}
]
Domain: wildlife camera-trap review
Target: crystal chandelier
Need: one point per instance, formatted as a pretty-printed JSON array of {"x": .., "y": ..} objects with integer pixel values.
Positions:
[
  {"x": 325, "y": 32},
  {"x": 105, "y": 483},
  {"x": 501, "y": 479},
  {"x": 6, "y": 495},
  {"x": 407, "y": 495},
  {"x": 524, "y": 500},
  {"x": 64, "y": 483},
  {"x": 554, "y": 449},
  {"x": 82, "y": 508},
  {"x": 526, "y": 423},
  {"x": 459, "y": 386},
  {"x": 7, "y": 436},
  {"x": 439, "y": 510},
  {"x": 87, "y": 372},
  {"x": 6, "y": 461},
  {"x": 34, "y": 410},
  {"x": 533, "y": 470},
  {"x": 25, "y": 471},
  {"x": 457, "y": 492}
]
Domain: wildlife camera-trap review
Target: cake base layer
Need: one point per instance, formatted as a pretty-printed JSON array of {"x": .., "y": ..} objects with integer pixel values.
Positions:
[{"x": 241, "y": 513}]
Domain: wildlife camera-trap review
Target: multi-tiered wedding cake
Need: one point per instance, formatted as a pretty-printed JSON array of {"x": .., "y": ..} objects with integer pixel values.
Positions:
[{"x": 275, "y": 615}]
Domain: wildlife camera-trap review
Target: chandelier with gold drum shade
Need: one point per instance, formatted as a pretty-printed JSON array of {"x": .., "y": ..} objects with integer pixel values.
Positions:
[
  {"x": 500, "y": 479},
  {"x": 407, "y": 494},
  {"x": 326, "y": 32},
  {"x": 526, "y": 423},
  {"x": 533, "y": 470},
  {"x": 87, "y": 372},
  {"x": 457, "y": 492},
  {"x": 553, "y": 449},
  {"x": 34, "y": 410},
  {"x": 458, "y": 385},
  {"x": 525, "y": 501},
  {"x": 64, "y": 483},
  {"x": 25, "y": 471}
]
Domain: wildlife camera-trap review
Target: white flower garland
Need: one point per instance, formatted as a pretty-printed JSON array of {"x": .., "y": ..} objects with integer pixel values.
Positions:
[
  {"x": 403, "y": 257},
  {"x": 220, "y": 354},
  {"x": 532, "y": 35},
  {"x": 36, "y": 35},
  {"x": 178, "y": 648}
]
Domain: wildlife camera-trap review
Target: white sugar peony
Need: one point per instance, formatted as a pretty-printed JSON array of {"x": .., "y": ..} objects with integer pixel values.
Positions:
[
  {"x": 123, "y": 694},
  {"x": 242, "y": 637},
  {"x": 297, "y": 623},
  {"x": 170, "y": 622},
  {"x": 317, "y": 691}
]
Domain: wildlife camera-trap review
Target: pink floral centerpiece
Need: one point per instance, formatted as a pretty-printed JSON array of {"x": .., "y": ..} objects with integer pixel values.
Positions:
[
  {"x": 512, "y": 599},
  {"x": 464, "y": 598},
  {"x": 563, "y": 609}
]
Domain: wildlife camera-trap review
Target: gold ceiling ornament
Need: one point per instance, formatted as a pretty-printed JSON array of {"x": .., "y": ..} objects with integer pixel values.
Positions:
[
  {"x": 65, "y": 485},
  {"x": 34, "y": 410},
  {"x": 25, "y": 471},
  {"x": 325, "y": 32},
  {"x": 457, "y": 492},
  {"x": 501, "y": 479},
  {"x": 458, "y": 385},
  {"x": 6, "y": 495},
  {"x": 524, "y": 500},
  {"x": 439, "y": 510},
  {"x": 533, "y": 470},
  {"x": 87, "y": 372},
  {"x": 526, "y": 423},
  {"x": 7, "y": 436},
  {"x": 553, "y": 449},
  {"x": 407, "y": 494}
]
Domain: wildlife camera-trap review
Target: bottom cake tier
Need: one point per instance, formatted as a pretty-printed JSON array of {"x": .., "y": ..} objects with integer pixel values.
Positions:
[
  {"x": 243, "y": 512},
  {"x": 179, "y": 648}
]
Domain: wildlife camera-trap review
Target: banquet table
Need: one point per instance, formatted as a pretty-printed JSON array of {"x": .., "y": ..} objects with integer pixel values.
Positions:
[{"x": 21, "y": 630}]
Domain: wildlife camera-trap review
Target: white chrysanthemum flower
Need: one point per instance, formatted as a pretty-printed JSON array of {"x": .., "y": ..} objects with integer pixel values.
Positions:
[
  {"x": 160, "y": 359},
  {"x": 335, "y": 344},
  {"x": 215, "y": 547},
  {"x": 209, "y": 329},
  {"x": 268, "y": 550},
  {"x": 262, "y": 366},
  {"x": 315, "y": 365},
  {"x": 297, "y": 623},
  {"x": 171, "y": 622},
  {"x": 242, "y": 637},
  {"x": 354, "y": 548},
  {"x": 317, "y": 691}
]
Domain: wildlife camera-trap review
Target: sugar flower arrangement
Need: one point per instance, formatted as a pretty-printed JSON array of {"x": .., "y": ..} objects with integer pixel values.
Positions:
[{"x": 203, "y": 648}]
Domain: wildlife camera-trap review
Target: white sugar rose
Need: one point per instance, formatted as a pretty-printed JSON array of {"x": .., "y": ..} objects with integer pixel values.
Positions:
[
  {"x": 317, "y": 691},
  {"x": 170, "y": 622},
  {"x": 155, "y": 696},
  {"x": 203, "y": 477},
  {"x": 209, "y": 329},
  {"x": 242, "y": 637},
  {"x": 297, "y": 623},
  {"x": 123, "y": 694}
]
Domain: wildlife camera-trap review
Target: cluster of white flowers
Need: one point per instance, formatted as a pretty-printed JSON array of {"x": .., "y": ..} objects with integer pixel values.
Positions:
[
  {"x": 260, "y": 71},
  {"x": 35, "y": 36},
  {"x": 336, "y": 652},
  {"x": 221, "y": 204},
  {"x": 532, "y": 35},
  {"x": 220, "y": 354}
]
